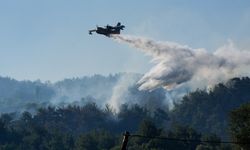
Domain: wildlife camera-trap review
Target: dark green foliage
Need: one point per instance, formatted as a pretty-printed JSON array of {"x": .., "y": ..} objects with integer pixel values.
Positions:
[
  {"x": 74, "y": 119},
  {"x": 208, "y": 112},
  {"x": 130, "y": 117},
  {"x": 88, "y": 126},
  {"x": 149, "y": 129},
  {"x": 3, "y": 132},
  {"x": 96, "y": 140},
  {"x": 240, "y": 125},
  {"x": 72, "y": 127},
  {"x": 186, "y": 133},
  {"x": 54, "y": 129}
]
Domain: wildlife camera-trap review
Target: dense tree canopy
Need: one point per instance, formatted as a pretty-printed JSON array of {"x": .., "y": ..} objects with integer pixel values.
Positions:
[
  {"x": 209, "y": 111},
  {"x": 240, "y": 125},
  {"x": 201, "y": 115}
]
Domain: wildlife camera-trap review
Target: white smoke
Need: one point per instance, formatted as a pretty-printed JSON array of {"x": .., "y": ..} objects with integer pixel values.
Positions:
[
  {"x": 177, "y": 65},
  {"x": 120, "y": 91}
]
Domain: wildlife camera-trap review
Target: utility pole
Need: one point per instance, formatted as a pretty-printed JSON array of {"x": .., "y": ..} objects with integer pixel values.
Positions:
[{"x": 125, "y": 140}]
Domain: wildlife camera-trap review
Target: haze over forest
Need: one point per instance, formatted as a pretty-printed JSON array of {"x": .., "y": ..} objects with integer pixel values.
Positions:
[
  {"x": 168, "y": 100},
  {"x": 90, "y": 102}
]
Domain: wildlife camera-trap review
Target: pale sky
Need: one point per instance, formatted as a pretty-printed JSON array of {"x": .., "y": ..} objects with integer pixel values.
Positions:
[{"x": 49, "y": 40}]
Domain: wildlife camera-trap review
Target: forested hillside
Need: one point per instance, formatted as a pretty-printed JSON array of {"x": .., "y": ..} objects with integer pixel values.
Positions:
[
  {"x": 208, "y": 111},
  {"x": 22, "y": 96},
  {"x": 200, "y": 115}
]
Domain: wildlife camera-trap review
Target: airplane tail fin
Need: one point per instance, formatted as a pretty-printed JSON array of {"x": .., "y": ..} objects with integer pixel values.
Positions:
[{"x": 120, "y": 26}]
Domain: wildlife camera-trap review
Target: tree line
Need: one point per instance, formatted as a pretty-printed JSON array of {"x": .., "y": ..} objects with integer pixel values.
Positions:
[{"x": 220, "y": 114}]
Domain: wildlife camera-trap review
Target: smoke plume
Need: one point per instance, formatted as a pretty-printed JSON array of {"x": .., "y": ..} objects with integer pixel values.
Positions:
[
  {"x": 120, "y": 92},
  {"x": 177, "y": 65}
]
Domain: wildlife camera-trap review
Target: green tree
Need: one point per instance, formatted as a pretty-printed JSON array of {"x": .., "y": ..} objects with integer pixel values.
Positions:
[
  {"x": 184, "y": 133},
  {"x": 240, "y": 125},
  {"x": 148, "y": 129},
  {"x": 95, "y": 140}
]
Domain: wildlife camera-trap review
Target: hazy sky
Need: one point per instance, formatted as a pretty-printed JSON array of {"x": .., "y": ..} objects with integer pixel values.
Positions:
[{"x": 49, "y": 40}]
